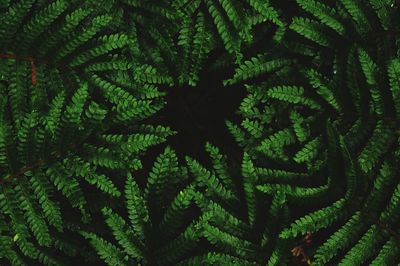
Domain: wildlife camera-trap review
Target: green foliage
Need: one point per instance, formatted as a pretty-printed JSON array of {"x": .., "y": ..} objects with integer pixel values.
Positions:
[
  {"x": 240, "y": 237},
  {"x": 312, "y": 30},
  {"x": 255, "y": 67},
  {"x": 195, "y": 42},
  {"x": 209, "y": 24},
  {"x": 317, "y": 133},
  {"x": 55, "y": 129},
  {"x": 324, "y": 13},
  {"x": 350, "y": 160},
  {"x": 58, "y": 151},
  {"x": 157, "y": 230}
]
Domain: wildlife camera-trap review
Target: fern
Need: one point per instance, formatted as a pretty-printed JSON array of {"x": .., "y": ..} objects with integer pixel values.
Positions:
[
  {"x": 324, "y": 13},
  {"x": 149, "y": 222},
  {"x": 393, "y": 72},
  {"x": 265, "y": 9},
  {"x": 236, "y": 235},
  {"x": 255, "y": 67},
  {"x": 317, "y": 133},
  {"x": 38, "y": 24},
  {"x": 312, "y": 30},
  {"x": 292, "y": 94},
  {"x": 54, "y": 139},
  {"x": 347, "y": 86}
]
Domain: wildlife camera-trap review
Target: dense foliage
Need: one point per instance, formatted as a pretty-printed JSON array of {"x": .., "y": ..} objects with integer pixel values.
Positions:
[{"x": 93, "y": 172}]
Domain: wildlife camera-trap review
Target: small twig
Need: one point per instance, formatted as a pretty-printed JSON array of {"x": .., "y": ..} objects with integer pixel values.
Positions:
[
  {"x": 298, "y": 251},
  {"x": 29, "y": 59}
]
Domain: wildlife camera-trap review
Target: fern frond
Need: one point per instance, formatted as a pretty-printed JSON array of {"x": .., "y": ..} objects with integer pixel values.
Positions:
[
  {"x": 394, "y": 74},
  {"x": 148, "y": 74},
  {"x": 72, "y": 20},
  {"x": 96, "y": 25},
  {"x": 204, "y": 178},
  {"x": 255, "y": 67},
  {"x": 324, "y": 88},
  {"x": 390, "y": 215},
  {"x": 39, "y": 23},
  {"x": 52, "y": 120},
  {"x": 388, "y": 253},
  {"x": 382, "y": 9},
  {"x": 36, "y": 223},
  {"x": 12, "y": 19},
  {"x": 376, "y": 146},
  {"x": 308, "y": 151},
  {"x": 253, "y": 127},
  {"x": 312, "y": 30},
  {"x": 17, "y": 92},
  {"x": 370, "y": 70},
  {"x": 201, "y": 47},
  {"x": 127, "y": 107},
  {"x": 381, "y": 187},
  {"x": 137, "y": 210},
  {"x": 236, "y": 132},
  {"x": 70, "y": 188},
  {"x": 107, "y": 251},
  {"x": 230, "y": 39},
  {"x": 267, "y": 11},
  {"x": 357, "y": 14},
  {"x": 324, "y": 13},
  {"x": 300, "y": 127},
  {"x": 106, "y": 44},
  {"x": 292, "y": 94},
  {"x": 226, "y": 241},
  {"x": 220, "y": 166},
  {"x": 237, "y": 16},
  {"x": 74, "y": 110},
  {"x": 51, "y": 209},
  {"x": 162, "y": 178},
  {"x": 124, "y": 236},
  {"x": 296, "y": 193},
  {"x": 364, "y": 247},
  {"x": 250, "y": 179},
  {"x": 314, "y": 221},
  {"x": 214, "y": 258},
  {"x": 174, "y": 214},
  {"x": 341, "y": 239},
  {"x": 273, "y": 146}
]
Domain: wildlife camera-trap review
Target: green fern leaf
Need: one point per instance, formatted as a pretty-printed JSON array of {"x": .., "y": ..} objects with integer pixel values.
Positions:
[
  {"x": 325, "y": 14},
  {"x": 312, "y": 30},
  {"x": 292, "y": 94}
]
